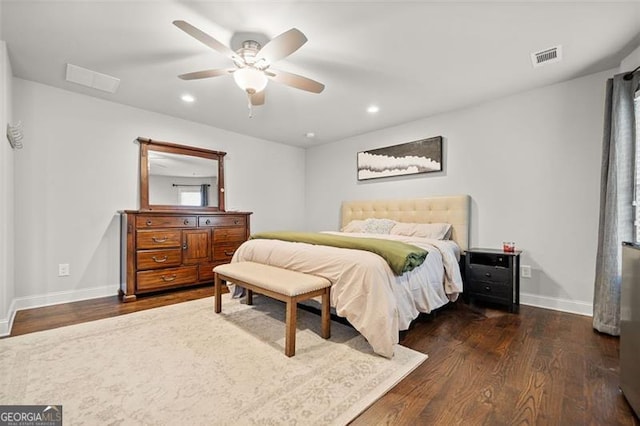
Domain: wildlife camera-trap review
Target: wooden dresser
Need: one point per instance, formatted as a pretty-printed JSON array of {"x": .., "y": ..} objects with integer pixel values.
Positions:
[{"x": 168, "y": 249}]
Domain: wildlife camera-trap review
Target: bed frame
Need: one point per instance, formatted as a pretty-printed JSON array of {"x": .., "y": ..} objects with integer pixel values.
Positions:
[{"x": 450, "y": 209}]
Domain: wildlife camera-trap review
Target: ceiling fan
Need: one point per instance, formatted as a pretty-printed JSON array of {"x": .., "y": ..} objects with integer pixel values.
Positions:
[{"x": 253, "y": 62}]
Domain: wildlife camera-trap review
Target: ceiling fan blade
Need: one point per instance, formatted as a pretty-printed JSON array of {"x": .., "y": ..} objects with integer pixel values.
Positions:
[
  {"x": 294, "y": 80},
  {"x": 282, "y": 46},
  {"x": 205, "y": 74},
  {"x": 206, "y": 39},
  {"x": 257, "y": 98}
]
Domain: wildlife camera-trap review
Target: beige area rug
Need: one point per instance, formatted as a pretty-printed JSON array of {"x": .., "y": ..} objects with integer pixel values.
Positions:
[{"x": 184, "y": 364}]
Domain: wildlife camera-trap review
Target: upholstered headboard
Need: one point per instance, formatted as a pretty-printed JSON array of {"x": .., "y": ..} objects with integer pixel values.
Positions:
[{"x": 453, "y": 209}]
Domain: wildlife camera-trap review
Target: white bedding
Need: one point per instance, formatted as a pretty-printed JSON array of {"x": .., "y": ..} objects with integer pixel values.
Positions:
[{"x": 364, "y": 289}]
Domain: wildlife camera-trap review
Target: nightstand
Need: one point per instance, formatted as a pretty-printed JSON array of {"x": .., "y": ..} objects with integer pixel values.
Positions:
[{"x": 493, "y": 276}]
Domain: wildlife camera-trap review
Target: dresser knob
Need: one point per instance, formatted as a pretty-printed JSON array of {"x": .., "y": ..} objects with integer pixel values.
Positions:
[
  {"x": 487, "y": 274},
  {"x": 236, "y": 221},
  {"x": 186, "y": 221},
  {"x": 149, "y": 222},
  {"x": 208, "y": 222},
  {"x": 487, "y": 288}
]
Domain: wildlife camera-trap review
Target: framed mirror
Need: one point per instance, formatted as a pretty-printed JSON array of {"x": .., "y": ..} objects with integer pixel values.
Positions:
[{"x": 179, "y": 177}]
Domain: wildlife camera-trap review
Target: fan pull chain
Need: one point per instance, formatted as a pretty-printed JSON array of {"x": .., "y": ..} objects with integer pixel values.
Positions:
[{"x": 249, "y": 105}]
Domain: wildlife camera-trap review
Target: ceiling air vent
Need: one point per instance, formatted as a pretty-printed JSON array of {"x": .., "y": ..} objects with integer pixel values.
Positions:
[
  {"x": 95, "y": 80},
  {"x": 547, "y": 56}
]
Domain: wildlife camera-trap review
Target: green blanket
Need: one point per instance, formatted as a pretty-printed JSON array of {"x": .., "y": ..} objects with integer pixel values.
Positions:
[{"x": 400, "y": 256}]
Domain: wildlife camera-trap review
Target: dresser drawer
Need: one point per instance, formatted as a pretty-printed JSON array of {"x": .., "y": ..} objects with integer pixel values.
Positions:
[
  {"x": 489, "y": 273},
  {"x": 490, "y": 289},
  {"x": 224, "y": 252},
  {"x": 158, "y": 239},
  {"x": 165, "y": 222},
  {"x": 168, "y": 277},
  {"x": 229, "y": 235},
  {"x": 222, "y": 220},
  {"x": 154, "y": 259},
  {"x": 205, "y": 271}
]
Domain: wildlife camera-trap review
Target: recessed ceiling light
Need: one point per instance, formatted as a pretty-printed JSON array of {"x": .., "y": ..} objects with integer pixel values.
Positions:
[
  {"x": 310, "y": 135},
  {"x": 188, "y": 98},
  {"x": 372, "y": 109}
]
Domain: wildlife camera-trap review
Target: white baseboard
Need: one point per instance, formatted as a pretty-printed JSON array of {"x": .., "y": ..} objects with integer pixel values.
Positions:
[
  {"x": 557, "y": 304},
  {"x": 48, "y": 299}
]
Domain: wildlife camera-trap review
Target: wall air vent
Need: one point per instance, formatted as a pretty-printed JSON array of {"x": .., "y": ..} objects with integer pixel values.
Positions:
[{"x": 547, "y": 56}]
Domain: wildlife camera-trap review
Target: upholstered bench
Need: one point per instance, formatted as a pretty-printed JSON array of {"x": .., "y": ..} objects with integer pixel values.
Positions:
[{"x": 281, "y": 284}]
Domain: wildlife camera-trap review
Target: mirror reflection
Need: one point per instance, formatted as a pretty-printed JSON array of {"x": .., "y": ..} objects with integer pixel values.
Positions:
[{"x": 182, "y": 180}]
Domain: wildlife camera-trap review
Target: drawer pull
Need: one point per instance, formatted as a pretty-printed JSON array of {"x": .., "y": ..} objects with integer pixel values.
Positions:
[
  {"x": 236, "y": 221},
  {"x": 186, "y": 221},
  {"x": 207, "y": 222},
  {"x": 487, "y": 274},
  {"x": 229, "y": 253},
  {"x": 149, "y": 222},
  {"x": 169, "y": 279},
  {"x": 487, "y": 288},
  {"x": 160, "y": 260},
  {"x": 159, "y": 240}
]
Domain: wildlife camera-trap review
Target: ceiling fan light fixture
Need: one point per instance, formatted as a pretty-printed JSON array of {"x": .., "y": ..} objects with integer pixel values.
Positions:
[{"x": 250, "y": 80}]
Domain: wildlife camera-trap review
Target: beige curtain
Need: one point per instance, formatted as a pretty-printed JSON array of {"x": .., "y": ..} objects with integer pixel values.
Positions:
[{"x": 616, "y": 200}]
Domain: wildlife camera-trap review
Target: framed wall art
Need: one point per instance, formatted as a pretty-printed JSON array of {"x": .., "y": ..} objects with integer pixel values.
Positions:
[{"x": 421, "y": 156}]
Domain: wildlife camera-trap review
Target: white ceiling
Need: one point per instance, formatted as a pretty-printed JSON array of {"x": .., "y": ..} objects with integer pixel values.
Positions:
[{"x": 413, "y": 59}]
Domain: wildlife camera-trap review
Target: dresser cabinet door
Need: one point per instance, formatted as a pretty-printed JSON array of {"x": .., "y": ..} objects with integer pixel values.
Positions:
[{"x": 195, "y": 246}]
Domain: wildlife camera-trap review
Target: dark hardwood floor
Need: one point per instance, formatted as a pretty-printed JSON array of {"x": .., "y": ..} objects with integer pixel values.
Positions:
[{"x": 485, "y": 367}]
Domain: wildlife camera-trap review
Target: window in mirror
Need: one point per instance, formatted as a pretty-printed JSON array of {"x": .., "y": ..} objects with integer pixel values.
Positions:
[{"x": 190, "y": 197}]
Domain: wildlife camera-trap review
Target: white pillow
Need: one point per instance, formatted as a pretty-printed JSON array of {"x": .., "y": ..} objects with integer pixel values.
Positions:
[
  {"x": 378, "y": 226},
  {"x": 354, "y": 226},
  {"x": 434, "y": 231}
]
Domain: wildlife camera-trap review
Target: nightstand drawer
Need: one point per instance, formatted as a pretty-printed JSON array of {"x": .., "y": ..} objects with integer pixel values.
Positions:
[
  {"x": 493, "y": 289},
  {"x": 489, "y": 273}
]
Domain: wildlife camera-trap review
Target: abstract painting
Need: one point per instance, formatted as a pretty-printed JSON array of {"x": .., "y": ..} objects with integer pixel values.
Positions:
[{"x": 421, "y": 156}]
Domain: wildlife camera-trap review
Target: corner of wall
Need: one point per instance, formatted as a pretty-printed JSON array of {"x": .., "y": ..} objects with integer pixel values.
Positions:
[{"x": 7, "y": 264}]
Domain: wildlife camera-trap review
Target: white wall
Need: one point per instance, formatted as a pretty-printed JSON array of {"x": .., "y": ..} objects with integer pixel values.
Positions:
[
  {"x": 79, "y": 167},
  {"x": 631, "y": 61},
  {"x": 531, "y": 164},
  {"x": 6, "y": 195}
]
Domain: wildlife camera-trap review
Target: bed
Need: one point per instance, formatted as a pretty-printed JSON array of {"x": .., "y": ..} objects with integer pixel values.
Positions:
[{"x": 365, "y": 290}]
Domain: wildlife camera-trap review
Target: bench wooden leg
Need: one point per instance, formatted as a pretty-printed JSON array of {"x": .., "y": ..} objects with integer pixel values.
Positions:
[
  {"x": 326, "y": 313},
  {"x": 290, "y": 336},
  {"x": 217, "y": 306},
  {"x": 249, "y": 296}
]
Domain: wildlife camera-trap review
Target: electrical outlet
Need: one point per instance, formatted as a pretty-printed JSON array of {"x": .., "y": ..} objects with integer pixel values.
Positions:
[
  {"x": 63, "y": 270},
  {"x": 525, "y": 271}
]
